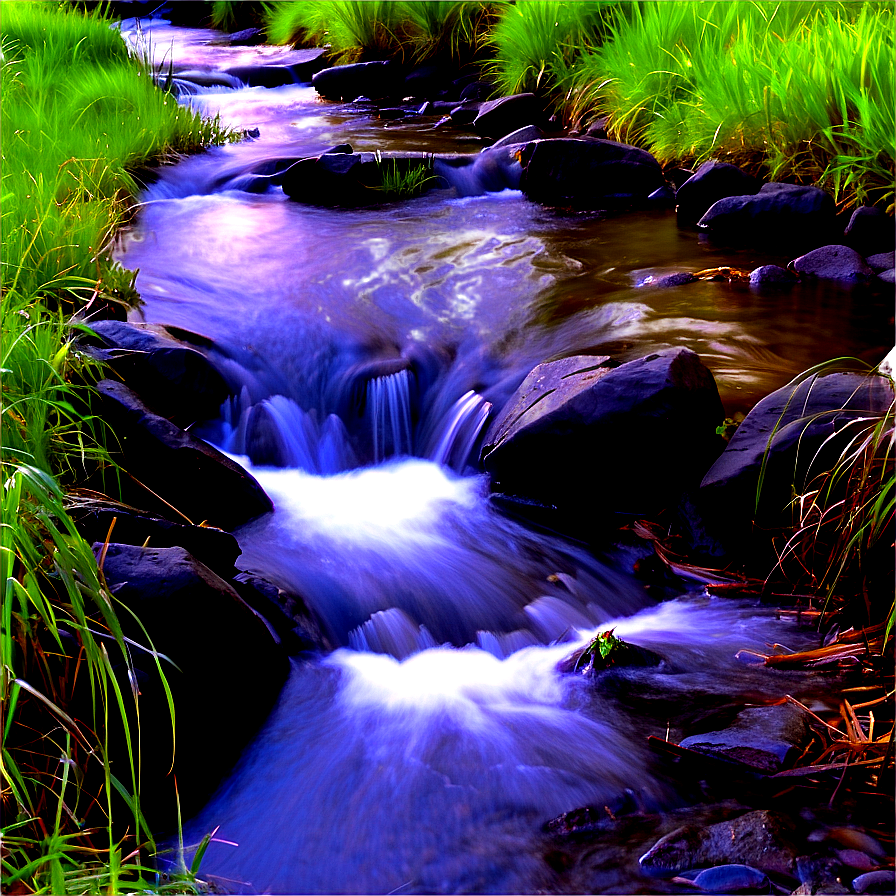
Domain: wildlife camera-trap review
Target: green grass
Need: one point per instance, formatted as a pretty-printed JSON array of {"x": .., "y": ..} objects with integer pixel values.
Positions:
[
  {"x": 404, "y": 183},
  {"x": 78, "y": 117}
]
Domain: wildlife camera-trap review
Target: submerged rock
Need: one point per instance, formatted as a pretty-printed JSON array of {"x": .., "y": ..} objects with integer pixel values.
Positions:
[
  {"x": 760, "y": 839},
  {"x": 584, "y": 173}
]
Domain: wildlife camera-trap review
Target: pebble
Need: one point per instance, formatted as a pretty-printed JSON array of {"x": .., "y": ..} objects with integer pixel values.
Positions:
[
  {"x": 883, "y": 881},
  {"x": 857, "y": 859},
  {"x": 730, "y": 878}
]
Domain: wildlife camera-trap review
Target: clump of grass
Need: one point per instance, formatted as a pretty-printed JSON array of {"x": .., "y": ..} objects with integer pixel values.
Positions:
[
  {"x": 234, "y": 15},
  {"x": 804, "y": 90},
  {"x": 404, "y": 182}
]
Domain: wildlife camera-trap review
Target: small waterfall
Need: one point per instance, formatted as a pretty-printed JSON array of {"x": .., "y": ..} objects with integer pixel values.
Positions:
[
  {"x": 456, "y": 437},
  {"x": 389, "y": 415}
]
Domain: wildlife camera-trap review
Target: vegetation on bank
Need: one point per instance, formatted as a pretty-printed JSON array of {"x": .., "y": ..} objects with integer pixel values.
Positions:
[
  {"x": 79, "y": 116},
  {"x": 802, "y": 91}
]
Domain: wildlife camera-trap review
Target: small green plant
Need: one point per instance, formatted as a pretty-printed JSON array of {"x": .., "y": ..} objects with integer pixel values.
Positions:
[
  {"x": 601, "y": 646},
  {"x": 404, "y": 181}
]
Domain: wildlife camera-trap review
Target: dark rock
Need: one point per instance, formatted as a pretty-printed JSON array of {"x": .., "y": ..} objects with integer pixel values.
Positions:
[
  {"x": 677, "y": 176},
  {"x": 870, "y": 231},
  {"x": 186, "y": 472},
  {"x": 834, "y": 263},
  {"x": 730, "y": 879},
  {"x": 171, "y": 377},
  {"x": 680, "y": 278},
  {"x": 426, "y": 80},
  {"x": 264, "y": 75},
  {"x": 771, "y": 275},
  {"x": 583, "y": 414},
  {"x": 217, "y": 549},
  {"x": 465, "y": 113},
  {"x": 883, "y": 261},
  {"x": 348, "y": 82},
  {"x": 588, "y": 660},
  {"x": 760, "y": 839},
  {"x": 392, "y": 114},
  {"x": 883, "y": 881},
  {"x": 475, "y": 90},
  {"x": 663, "y": 196},
  {"x": 522, "y": 135},
  {"x": 507, "y": 114},
  {"x": 781, "y": 213},
  {"x": 589, "y": 173},
  {"x": 887, "y": 276},
  {"x": 226, "y": 668},
  {"x": 764, "y": 737},
  {"x": 819, "y": 874},
  {"x": 711, "y": 182},
  {"x": 339, "y": 149},
  {"x": 856, "y": 859},
  {"x": 598, "y": 129},
  {"x": 329, "y": 179},
  {"x": 795, "y": 426}
]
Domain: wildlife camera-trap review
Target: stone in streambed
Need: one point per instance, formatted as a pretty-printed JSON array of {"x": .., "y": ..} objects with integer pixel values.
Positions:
[
  {"x": 711, "y": 182},
  {"x": 520, "y": 136},
  {"x": 188, "y": 474},
  {"x": 591, "y": 174},
  {"x": 764, "y": 737},
  {"x": 771, "y": 275},
  {"x": 883, "y": 881},
  {"x": 348, "y": 82},
  {"x": 870, "y": 231},
  {"x": 730, "y": 879},
  {"x": 838, "y": 263},
  {"x": 760, "y": 839},
  {"x": 819, "y": 874},
  {"x": 888, "y": 277},
  {"x": 500, "y": 117},
  {"x": 586, "y": 433},
  {"x": 882, "y": 261},
  {"x": 589, "y": 660}
]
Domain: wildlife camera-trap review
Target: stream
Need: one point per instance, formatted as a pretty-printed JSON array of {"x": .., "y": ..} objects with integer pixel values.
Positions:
[{"x": 427, "y": 750}]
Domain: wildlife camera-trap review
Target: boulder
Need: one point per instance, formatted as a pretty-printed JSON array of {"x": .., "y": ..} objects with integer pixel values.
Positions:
[
  {"x": 771, "y": 275},
  {"x": 838, "y": 263},
  {"x": 506, "y": 114},
  {"x": 520, "y": 136},
  {"x": 764, "y": 737},
  {"x": 711, "y": 182},
  {"x": 187, "y": 473},
  {"x": 587, "y": 433},
  {"x": 225, "y": 671},
  {"x": 792, "y": 433},
  {"x": 592, "y": 174},
  {"x": 870, "y": 231},
  {"x": 348, "y": 82},
  {"x": 780, "y": 213},
  {"x": 882, "y": 261},
  {"x": 760, "y": 839},
  {"x": 883, "y": 881},
  {"x": 171, "y": 377}
]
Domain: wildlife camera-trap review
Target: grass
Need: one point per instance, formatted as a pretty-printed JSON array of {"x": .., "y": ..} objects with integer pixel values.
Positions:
[
  {"x": 404, "y": 182},
  {"x": 78, "y": 118}
]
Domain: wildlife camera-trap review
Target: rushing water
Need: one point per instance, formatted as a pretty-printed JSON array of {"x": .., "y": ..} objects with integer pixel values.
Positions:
[{"x": 367, "y": 351}]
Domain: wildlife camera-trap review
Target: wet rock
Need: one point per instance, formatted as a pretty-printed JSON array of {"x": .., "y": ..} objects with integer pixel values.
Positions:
[
  {"x": 711, "y": 182},
  {"x": 730, "y": 879},
  {"x": 883, "y": 881},
  {"x": 834, "y": 263},
  {"x": 852, "y": 838},
  {"x": 330, "y": 179},
  {"x": 264, "y": 75},
  {"x": 681, "y": 278},
  {"x": 888, "y": 277},
  {"x": 226, "y": 668},
  {"x": 771, "y": 275},
  {"x": 764, "y": 737},
  {"x": 870, "y": 231},
  {"x": 617, "y": 654},
  {"x": 598, "y": 129},
  {"x": 506, "y": 114},
  {"x": 819, "y": 874},
  {"x": 883, "y": 261},
  {"x": 578, "y": 415},
  {"x": 217, "y": 549},
  {"x": 797, "y": 428},
  {"x": 464, "y": 113},
  {"x": 662, "y": 197},
  {"x": 348, "y": 82},
  {"x": 521, "y": 135},
  {"x": 173, "y": 378},
  {"x": 426, "y": 80},
  {"x": 760, "y": 839},
  {"x": 186, "y": 472},
  {"x": 247, "y": 37},
  {"x": 677, "y": 176},
  {"x": 856, "y": 859},
  {"x": 780, "y": 213},
  {"x": 475, "y": 90},
  {"x": 589, "y": 173}
]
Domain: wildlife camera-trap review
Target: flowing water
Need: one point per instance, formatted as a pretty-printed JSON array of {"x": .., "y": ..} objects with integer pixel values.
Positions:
[{"x": 367, "y": 351}]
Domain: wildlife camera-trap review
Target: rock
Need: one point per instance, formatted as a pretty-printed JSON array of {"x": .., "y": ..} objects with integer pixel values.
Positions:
[
  {"x": 870, "y": 231},
  {"x": 730, "y": 879},
  {"x": 819, "y": 874},
  {"x": 506, "y": 114},
  {"x": 227, "y": 670},
  {"x": 834, "y": 263},
  {"x": 475, "y": 90},
  {"x": 186, "y": 472},
  {"x": 662, "y": 197},
  {"x": 883, "y": 881},
  {"x": 677, "y": 176},
  {"x": 779, "y": 213},
  {"x": 888, "y": 277},
  {"x": 764, "y": 737},
  {"x": 521, "y": 135},
  {"x": 598, "y": 129},
  {"x": 588, "y": 660},
  {"x": 426, "y": 80},
  {"x": 852, "y": 838},
  {"x": 217, "y": 549},
  {"x": 264, "y": 75},
  {"x": 589, "y": 173},
  {"x": 792, "y": 425},
  {"x": 856, "y": 859},
  {"x": 883, "y": 261},
  {"x": 171, "y": 377},
  {"x": 760, "y": 839},
  {"x": 711, "y": 182},
  {"x": 465, "y": 113},
  {"x": 771, "y": 275},
  {"x": 348, "y": 82},
  {"x": 247, "y": 37},
  {"x": 584, "y": 432},
  {"x": 680, "y": 278}
]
